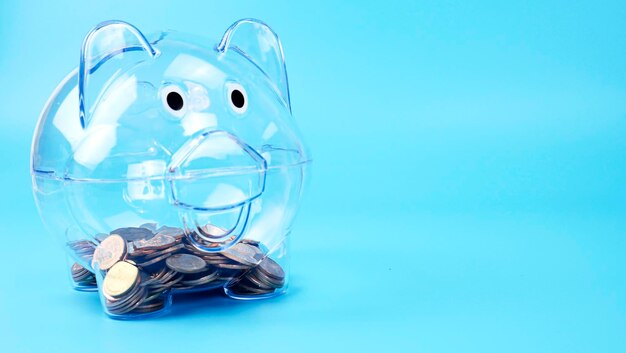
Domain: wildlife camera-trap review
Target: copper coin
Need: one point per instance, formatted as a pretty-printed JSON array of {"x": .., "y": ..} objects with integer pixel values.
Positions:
[{"x": 109, "y": 251}]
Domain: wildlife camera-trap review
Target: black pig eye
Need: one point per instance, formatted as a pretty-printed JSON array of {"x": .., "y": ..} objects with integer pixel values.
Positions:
[
  {"x": 173, "y": 100},
  {"x": 238, "y": 98}
]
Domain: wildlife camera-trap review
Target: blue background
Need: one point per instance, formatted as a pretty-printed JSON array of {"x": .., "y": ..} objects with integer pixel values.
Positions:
[{"x": 467, "y": 192}]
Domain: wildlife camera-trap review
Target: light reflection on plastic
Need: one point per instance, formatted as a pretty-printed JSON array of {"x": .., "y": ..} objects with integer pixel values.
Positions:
[
  {"x": 218, "y": 146},
  {"x": 186, "y": 65},
  {"x": 96, "y": 147},
  {"x": 225, "y": 194},
  {"x": 116, "y": 101},
  {"x": 144, "y": 188},
  {"x": 194, "y": 122}
]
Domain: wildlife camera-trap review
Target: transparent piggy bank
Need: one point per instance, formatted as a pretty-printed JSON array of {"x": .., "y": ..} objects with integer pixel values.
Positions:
[{"x": 169, "y": 163}]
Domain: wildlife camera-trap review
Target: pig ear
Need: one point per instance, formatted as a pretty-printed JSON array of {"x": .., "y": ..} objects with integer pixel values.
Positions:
[
  {"x": 257, "y": 41},
  {"x": 109, "y": 49}
]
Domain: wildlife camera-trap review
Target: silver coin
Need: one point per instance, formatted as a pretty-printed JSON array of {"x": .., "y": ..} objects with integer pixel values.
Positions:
[
  {"x": 272, "y": 269},
  {"x": 169, "y": 250},
  {"x": 133, "y": 233},
  {"x": 171, "y": 231},
  {"x": 272, "y": 282},
  {"x": 186, "y": 263},
  {"x": 259, "y": 282},
  {"x": 151, "y": 226},
  {"x": 208, "y": 243},
  {"x": 209, "y": 231},
  {"x": 158, "y": 242},
  {"x": 242, "y": 253}
]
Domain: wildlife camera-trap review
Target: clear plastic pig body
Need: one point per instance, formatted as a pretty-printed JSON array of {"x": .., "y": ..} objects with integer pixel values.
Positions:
[{"x": 169, "y": 163}]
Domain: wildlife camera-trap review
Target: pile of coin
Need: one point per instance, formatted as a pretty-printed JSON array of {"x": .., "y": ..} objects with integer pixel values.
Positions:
[
  {"x": 264, "y": 278},
  {"x": 82, "y": 277},
  {"x": 83, "y": 248},
  {"x": 140, "y": 265},
  {"x": 122, "y": 288}
]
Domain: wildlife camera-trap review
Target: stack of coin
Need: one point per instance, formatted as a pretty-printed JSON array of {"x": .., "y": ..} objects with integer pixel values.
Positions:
[
  {"x": 122, "y": 288},
  {"x": 83, "y": 249},
  {"x": 177, "y": 233},
  {"x": 82, "y": 277},
  {"x": 140, "y": 265},
  {"x": 196, "y": 273},
  {"x": 264, "y": 278},
  {"x": 152, "y": 251},
  {"x": 162, "y": 280},
  {"x": 134, "y": 233}
]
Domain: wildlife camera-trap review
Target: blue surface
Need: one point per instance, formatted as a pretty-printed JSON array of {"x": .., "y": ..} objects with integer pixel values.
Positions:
[{"x": 467, "y": 192}]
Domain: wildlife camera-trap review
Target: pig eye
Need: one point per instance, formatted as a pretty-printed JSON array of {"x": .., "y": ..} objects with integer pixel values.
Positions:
[
  {"x": 173, "y": 99},
  {"x": 238, "y": 98}
]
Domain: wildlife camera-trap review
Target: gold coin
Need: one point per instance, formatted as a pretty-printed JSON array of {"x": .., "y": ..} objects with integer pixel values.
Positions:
[
  {"x": 120, "y": 279},
  {"x": 109, "y": 251}
]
